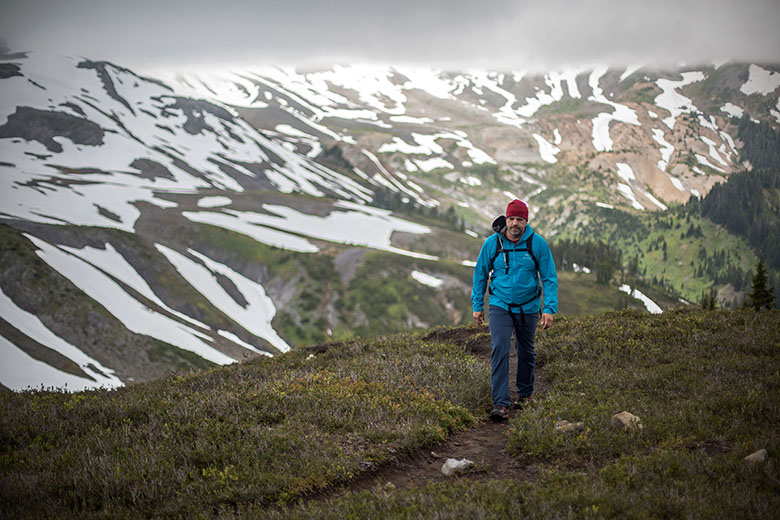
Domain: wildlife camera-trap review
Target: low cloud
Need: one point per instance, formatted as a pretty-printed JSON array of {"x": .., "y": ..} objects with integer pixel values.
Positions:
[{"x": 498, "y": 34}]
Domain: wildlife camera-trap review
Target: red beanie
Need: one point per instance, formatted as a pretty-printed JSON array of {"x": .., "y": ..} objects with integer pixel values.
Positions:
[{"x": 517, "y": 208}]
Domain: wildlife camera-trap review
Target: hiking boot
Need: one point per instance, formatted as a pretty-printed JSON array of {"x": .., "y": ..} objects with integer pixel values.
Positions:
[
  {"x": 520, "y": 402},
  {"x": 499, "y": 413}
]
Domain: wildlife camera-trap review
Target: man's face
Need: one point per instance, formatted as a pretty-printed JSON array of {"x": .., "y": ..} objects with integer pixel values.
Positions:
[{"x": 515, "y": 227}]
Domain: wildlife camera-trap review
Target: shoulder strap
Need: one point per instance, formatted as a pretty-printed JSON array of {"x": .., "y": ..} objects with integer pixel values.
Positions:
[
  {"x": 500, "y": 249},
  {"x": 528, "y": 247},
  {"x": 531, "y": 251}
]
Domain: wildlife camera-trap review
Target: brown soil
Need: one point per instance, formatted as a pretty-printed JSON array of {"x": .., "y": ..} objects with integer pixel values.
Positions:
[{"x": 484, "y": 444}]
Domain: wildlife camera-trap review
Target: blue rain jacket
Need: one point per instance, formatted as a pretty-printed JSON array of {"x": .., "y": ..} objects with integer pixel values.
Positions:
[{"x": 520, "y": 284}]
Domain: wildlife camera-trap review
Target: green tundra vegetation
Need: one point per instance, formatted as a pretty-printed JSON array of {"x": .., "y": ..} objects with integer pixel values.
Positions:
[{"x": 255, "y": 439}]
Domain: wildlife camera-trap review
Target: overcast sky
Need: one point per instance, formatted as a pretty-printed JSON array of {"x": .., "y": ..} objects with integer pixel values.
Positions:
[{"x": 497, "y": 34}]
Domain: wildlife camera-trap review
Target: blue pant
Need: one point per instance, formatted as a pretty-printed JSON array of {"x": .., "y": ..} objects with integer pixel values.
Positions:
[{"x": 502, "y": 323}]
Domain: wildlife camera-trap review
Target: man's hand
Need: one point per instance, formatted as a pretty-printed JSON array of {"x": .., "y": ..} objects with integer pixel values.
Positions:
[
  {"x": 546, "y": 321},
  {"x": 479, "y": 317}
]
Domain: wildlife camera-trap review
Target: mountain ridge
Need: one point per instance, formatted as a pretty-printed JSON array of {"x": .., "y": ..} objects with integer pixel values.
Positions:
[{"x": 205, "y": 217}]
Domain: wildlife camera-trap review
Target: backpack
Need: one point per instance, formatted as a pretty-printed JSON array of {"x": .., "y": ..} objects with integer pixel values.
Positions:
[{"x": 499, "y": 226}]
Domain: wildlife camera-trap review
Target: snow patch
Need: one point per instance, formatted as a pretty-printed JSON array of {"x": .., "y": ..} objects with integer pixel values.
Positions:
[
  {"x": 580, "y": 269},
  {"x": 292, "y": 131},
  {"x": 411, "y": 120},
  {"x": 667, "y": 149},
  {"x": 760, "y": 81},
  {"x": 732, "y": 110},
  {"x": 426, "y": 279},
  {"x": 629, "y": 71},
  {"x": 655, "y": 201},
  {"x": 244, "y": 223},
  {"x": 214, "y": 202},
  {"x": 650, "y": 305},
  {"x": 547, "y": 150},
  {"x": 428, "y": 165},
  {"x": 254, "y": 315},
  {"x": 704, "y": 161},
  {"x": 470, "y": 181},
  {"x": 625, "y": 172},
  {"x": 352, "y": 224},
  {"x": 713, "y": 151},
  {"x": 602, "y": 141},
  {"x": 134, "y": 315},
  {"x": 674, "y": 102},
  {"x": 677, "y": 184},
  {"x": 626, "y": 191},
  {"x": 19, "y": 370}
]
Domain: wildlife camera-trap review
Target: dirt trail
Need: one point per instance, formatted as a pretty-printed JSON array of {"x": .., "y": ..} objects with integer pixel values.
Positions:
[{"x": 484, "y": 444}]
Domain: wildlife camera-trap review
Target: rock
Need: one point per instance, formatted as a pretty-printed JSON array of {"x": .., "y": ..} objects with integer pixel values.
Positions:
[
  {"x": 568, "y": 427},
  {"x": 389, "y": 486},
  {"x": 435, "y": 455},
  {"x": 626, "y": 421},
  {"x": 453, "y": 466},
  {"x": 757, "y": 457}
]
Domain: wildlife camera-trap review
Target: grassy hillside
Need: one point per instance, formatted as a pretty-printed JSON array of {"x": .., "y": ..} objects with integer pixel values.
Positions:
[
  {"x": 245, "y": 439},
  {"x": 713, "y": 242},
  {"x": 676, "y": 249},
  {"x": 580, "y": 293}
]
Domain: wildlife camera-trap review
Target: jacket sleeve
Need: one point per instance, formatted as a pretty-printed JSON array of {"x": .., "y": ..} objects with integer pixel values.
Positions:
[
  {"x": 548, "y": 276},
  {"x": 481, "y": 273}
]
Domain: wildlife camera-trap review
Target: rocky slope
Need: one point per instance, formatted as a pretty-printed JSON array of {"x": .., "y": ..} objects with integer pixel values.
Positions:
[
  {"x": 200, "y": 218},
  {"x": 640, "y": 138}
]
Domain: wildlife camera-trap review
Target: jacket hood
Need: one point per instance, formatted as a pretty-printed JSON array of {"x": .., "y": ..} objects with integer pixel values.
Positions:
[{"x": 499, "y": 226}]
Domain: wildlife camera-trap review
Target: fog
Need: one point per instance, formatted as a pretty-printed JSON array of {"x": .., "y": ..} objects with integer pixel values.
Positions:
[{"x": 498, "y": 34}]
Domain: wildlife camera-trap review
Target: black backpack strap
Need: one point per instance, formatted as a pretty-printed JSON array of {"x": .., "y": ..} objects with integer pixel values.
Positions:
[
  {"x": 506, "y": 257},
  {"x": 528, "y": 247},
  {"x": 531, "y": 251},
  {"x": 500, "y": 249}
]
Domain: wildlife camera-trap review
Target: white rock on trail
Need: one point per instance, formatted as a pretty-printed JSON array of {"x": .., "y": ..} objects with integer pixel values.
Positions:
[{"x": 453, "y": 466}]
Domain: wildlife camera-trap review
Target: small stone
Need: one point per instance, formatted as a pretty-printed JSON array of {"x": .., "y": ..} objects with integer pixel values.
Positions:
[
  {"x": 453, "y": 466},
  {"x": 568, "y": 427},
  {"x": 310, "y": 356},
  {"x": 389, "y": 486},
  {"x": 435, "y": 455},
  {"x": 626, "y": 421},
  {"x": 757, "y": 457}
]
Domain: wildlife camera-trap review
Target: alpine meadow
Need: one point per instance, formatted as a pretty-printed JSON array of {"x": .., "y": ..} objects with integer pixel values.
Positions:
[{"x": 244, "y": 291}]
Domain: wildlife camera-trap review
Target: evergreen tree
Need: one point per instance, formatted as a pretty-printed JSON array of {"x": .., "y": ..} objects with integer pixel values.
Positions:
[
  {"x": 709, "y": 300},
  {"x": 761, "y": 295}
]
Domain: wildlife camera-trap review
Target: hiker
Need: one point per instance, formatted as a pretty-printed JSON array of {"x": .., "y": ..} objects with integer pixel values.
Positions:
[{"x": 514, "y": 259}]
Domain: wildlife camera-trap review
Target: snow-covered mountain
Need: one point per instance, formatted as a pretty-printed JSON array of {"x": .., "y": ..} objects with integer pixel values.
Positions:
[
  {"x": 100, "y": 167},
  {"x": 153, "y": 224},
  {"x": 658, "y": 137}
]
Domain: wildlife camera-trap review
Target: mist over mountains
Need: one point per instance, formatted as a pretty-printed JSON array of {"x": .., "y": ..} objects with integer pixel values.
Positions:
[{"x": 203, "y": 217}]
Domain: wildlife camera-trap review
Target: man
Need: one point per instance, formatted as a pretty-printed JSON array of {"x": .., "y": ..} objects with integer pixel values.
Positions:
[{"x": 514, "y": 273}]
